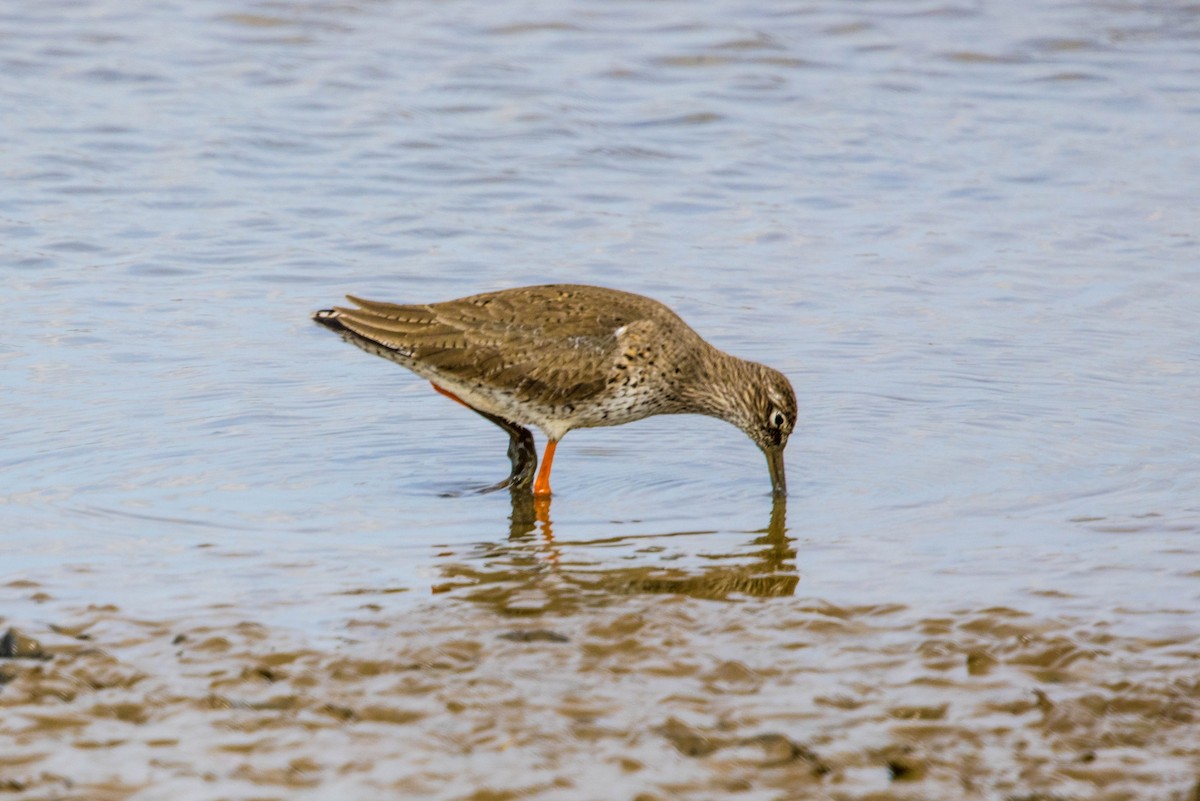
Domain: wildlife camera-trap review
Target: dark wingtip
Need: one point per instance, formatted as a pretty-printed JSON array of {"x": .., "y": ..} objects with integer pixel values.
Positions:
[{"x": 327, "y": 318}]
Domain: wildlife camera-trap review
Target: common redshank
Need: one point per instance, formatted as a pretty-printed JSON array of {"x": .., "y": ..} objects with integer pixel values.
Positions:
[{"x": 564, "y": 356}]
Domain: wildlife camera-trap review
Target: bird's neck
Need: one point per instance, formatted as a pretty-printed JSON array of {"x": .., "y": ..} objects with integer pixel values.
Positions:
[{"x": 719, "y": 387}]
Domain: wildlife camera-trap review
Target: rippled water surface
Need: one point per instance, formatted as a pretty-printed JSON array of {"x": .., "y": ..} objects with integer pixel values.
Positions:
[{"x": 252, "y": 556}]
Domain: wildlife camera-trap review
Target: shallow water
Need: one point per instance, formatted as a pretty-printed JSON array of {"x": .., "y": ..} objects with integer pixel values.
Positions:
[{"x": 966, "y": 232}]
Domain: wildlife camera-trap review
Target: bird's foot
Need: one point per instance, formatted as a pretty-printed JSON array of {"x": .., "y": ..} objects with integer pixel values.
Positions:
[{"x": 523, "y": 456}]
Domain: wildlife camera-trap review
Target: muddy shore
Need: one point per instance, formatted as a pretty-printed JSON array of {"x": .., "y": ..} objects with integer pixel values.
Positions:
[{"x": 641, "y": 696}]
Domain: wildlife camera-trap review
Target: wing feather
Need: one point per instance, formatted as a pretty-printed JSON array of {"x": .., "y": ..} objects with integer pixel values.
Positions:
[{"x": 552, "y": 345}]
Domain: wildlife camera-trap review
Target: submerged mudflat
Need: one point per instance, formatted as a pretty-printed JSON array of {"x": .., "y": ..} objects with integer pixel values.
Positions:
[{"x": 632, "y": 695}]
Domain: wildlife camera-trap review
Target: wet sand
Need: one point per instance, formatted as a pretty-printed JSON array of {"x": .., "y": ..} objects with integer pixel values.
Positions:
[{"x": 506, "y": 691}]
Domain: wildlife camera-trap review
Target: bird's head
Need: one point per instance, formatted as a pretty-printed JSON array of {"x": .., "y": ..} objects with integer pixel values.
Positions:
[{"x": 765, "y": 408}]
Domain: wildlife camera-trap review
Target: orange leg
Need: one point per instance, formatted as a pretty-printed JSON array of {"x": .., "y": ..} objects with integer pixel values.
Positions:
[
  {"x": 541, "y": 513},
  {"x": 451, "y": 396},
  {"x": 542, "y": 485}
]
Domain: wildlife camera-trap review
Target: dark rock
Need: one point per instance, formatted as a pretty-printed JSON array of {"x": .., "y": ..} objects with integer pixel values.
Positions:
[
  {"x": 534, "y": 635},
  {"x": 15, "y": 645},
  {"x": 781, "y": 750}
]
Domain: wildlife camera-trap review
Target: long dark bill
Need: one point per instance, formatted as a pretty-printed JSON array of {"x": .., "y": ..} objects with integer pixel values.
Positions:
[{"x": 775, "y": 465}]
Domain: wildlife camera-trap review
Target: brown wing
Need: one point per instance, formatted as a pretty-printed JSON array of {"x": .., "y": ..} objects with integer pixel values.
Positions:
[{"x": 552, "y": 344}]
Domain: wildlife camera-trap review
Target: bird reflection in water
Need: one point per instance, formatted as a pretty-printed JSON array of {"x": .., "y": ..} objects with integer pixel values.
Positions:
[{"x": 531, "y": 572}]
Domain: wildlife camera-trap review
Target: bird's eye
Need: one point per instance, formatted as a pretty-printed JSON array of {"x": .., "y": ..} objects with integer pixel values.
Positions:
[{"x": 777, "y": 418}]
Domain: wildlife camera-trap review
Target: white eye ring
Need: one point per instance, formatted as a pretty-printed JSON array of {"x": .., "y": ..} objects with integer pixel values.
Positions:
[{"x": 777, "y": 418}]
